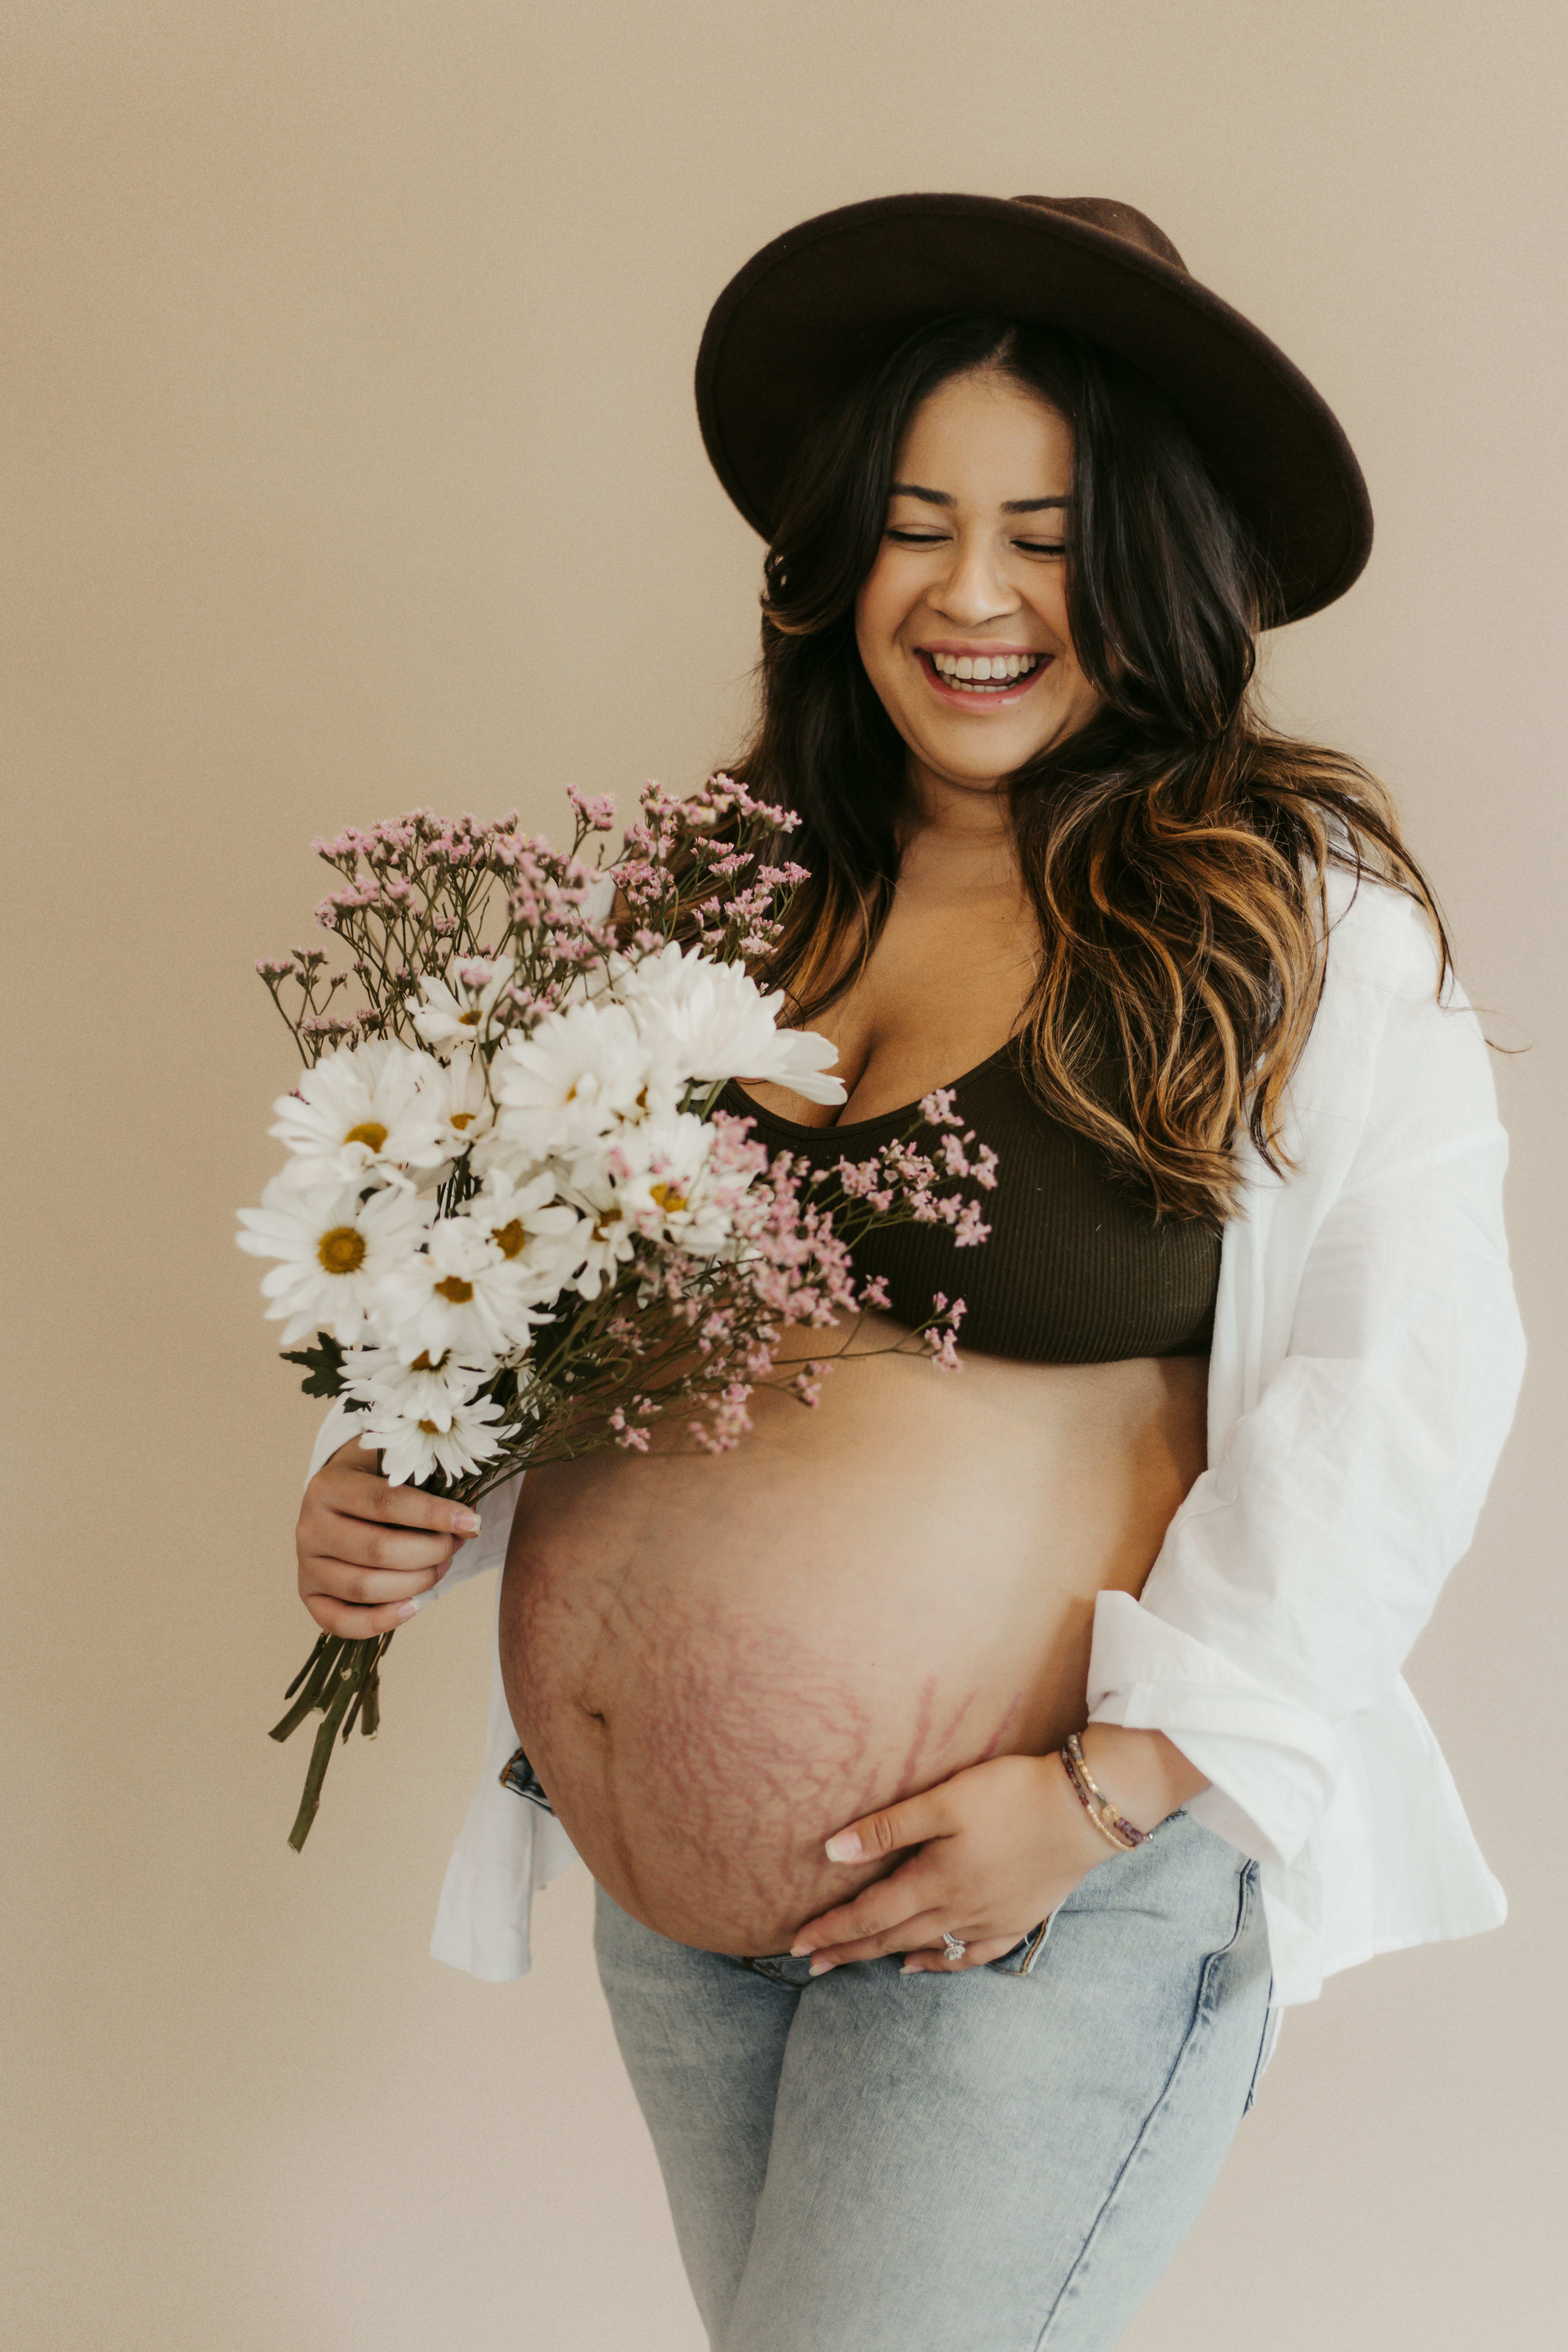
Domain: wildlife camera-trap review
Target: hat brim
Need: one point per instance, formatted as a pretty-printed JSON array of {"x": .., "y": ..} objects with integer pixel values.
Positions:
[{"x": 821, "y": 305}]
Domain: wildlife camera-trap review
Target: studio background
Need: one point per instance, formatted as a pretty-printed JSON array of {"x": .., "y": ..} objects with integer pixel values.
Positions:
[{"x": 351, "y": 463}]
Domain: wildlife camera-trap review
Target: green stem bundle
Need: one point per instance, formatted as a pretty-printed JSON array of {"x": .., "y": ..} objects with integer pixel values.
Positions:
[{"x": 340, "y": 1680}]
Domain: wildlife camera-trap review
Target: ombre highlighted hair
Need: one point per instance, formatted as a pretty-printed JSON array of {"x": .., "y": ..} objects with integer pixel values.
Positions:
[{"x": 1176, "y": 848}]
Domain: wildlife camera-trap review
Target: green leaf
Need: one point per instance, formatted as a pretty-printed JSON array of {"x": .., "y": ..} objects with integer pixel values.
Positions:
[{"x": 324, "y": 1364}]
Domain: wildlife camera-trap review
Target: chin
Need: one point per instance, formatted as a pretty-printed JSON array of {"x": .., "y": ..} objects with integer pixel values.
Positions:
[{"x": 983, "y": 765}]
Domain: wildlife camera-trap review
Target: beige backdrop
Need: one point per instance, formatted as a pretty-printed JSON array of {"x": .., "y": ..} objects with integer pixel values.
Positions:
[{"x": 351, "y": 463}]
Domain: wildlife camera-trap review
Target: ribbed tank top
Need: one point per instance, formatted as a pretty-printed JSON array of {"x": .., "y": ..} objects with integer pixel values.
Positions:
[{"x": 1077, "y": 1269}]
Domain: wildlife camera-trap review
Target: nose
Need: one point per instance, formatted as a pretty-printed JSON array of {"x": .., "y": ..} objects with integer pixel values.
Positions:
[{"x": 974, "y": 591}]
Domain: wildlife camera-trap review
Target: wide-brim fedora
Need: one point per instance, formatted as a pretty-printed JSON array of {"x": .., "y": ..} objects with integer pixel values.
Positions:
[{"x": 825, "y": 303}]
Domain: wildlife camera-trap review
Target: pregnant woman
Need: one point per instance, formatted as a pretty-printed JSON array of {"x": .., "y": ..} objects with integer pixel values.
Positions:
[{"x": 973, "y": 1766}]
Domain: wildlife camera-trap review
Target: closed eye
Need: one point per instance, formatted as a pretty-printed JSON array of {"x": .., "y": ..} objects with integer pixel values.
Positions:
[{"x": 938, "y": 538}]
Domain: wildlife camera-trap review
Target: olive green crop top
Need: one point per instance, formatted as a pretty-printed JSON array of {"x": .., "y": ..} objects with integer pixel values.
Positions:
[{"x": 1076, "y": 1270}]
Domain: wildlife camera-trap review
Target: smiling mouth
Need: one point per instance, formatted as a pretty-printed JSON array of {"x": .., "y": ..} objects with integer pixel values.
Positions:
[{"x": 992, "y": 681}]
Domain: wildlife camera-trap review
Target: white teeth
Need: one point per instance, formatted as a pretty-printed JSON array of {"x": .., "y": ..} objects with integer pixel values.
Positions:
[{"x": 983, "y": 673}]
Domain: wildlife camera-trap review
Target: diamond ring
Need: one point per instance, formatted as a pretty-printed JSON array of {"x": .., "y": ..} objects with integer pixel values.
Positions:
[{"x": 954, "y": 1946}]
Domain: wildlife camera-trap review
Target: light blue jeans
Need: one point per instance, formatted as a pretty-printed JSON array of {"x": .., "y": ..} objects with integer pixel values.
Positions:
[{"x": 1001, "y": 2161}]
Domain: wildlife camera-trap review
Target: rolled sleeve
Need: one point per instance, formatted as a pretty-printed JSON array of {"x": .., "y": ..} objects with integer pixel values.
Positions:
[{"x": 1273, "y": 1760}]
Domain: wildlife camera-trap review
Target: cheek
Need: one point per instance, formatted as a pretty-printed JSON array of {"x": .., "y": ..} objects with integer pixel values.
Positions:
[
  {"x": 1052, "y": 607},
  {"x": 1050, "y": 602},
  {"x": 880, "y": 608}
]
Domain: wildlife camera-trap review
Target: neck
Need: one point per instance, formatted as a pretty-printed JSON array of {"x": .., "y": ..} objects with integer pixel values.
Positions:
[{"x": 963, "y": 830}]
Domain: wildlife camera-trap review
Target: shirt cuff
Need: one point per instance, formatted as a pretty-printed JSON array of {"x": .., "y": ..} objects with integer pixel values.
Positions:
[{"x": 1272, "y": 1762}]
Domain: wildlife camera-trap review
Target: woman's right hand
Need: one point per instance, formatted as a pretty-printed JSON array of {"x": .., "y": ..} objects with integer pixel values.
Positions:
[{"x": 366, "y": 1547}]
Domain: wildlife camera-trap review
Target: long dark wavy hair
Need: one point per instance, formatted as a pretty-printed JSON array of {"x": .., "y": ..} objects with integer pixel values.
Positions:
[{"x": 1176, "y": 848}]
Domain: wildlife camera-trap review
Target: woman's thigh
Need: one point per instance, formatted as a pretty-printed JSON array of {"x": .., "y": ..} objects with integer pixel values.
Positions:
[
  {"x": 703, "y": 2037},
  {"x": 1001, "y": 2159},
  {"x": 1008, "y": 2161}
]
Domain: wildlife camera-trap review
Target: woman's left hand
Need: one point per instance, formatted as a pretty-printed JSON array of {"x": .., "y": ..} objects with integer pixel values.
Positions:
[{"x": 997, "y": 1848}]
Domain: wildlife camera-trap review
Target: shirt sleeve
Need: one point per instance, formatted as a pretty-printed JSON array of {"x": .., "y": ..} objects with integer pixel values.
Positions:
[{"x": 1305, "y": 1561}]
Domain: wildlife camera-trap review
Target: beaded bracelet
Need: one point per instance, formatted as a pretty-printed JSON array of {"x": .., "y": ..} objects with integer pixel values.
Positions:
[{"x": 1112, "y": 1824}]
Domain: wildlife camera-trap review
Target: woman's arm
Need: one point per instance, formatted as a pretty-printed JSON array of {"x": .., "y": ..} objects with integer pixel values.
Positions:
[{"x": 1297, "y": 1575}]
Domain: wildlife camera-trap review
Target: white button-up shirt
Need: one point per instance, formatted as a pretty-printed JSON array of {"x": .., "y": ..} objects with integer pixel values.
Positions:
[{"x": 1367, "y": 1356}]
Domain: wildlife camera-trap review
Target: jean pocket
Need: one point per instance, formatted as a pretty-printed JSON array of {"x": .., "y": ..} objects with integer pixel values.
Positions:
[{"x": 1025, "y": 1952}]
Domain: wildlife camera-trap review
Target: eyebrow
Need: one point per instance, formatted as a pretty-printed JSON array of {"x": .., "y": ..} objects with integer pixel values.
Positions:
[{"x": 945, "y": 499}]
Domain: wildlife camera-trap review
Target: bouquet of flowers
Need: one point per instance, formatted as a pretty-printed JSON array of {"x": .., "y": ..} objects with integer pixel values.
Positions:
[{"x": 513, "y": 1226}]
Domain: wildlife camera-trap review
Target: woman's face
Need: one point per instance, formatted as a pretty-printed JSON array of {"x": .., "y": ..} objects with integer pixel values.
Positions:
[{"x": 962, "y": 621}]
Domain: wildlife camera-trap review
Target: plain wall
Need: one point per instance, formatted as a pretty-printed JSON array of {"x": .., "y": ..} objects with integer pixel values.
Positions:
[{"x": 350, "y": 463}]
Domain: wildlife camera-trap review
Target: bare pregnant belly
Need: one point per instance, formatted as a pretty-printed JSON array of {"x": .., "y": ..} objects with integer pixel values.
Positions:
[{"x": 715, "y": 1662}]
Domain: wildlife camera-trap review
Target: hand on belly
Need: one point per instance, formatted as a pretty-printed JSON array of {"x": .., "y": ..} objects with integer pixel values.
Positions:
[
  {"x": 714, "y": 1664},
  {"x": 711, "y": 1750}
]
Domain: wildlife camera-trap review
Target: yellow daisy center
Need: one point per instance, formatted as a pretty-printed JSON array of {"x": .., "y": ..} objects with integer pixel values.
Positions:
[
  {"x": 669, "y": 1197},
  {"x": 470, "y": 1020},
  {"x": 422, "y": 1361},
  {"x": 462, "y": 1119},
  {"x": 454, "y": 1289},
  {"x": 342, "y": 1250},
  {"x": 510, "y": 1239},
  {"x": 370, "y": 1133},
  {"x": 430, "y": 1429}
]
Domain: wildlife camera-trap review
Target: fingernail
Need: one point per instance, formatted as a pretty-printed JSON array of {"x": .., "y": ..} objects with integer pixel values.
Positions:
[
  {"x": 466, "y": 1523},
  {"x": 798, "y": 1951},
  {"x": 819, "y": 1966},
  {"x": 911, "y": 1969},
  {"x": 845, "y": 1847},
  {"x": 409, "y": 1609}
]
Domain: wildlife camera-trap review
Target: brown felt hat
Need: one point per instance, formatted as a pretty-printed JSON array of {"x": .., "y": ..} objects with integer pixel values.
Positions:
[{"x": 823, "y": 304}]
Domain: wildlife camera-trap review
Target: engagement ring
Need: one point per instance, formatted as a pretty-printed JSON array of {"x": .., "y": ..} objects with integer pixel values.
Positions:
[{"x": 954, "y": 1946}]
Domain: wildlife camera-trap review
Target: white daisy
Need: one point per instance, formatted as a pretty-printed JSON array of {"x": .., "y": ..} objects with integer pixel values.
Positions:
[
  {"x": 341, "y": 1116},
  {"x": 608, "y": 1234},
  {"x": 663, "y": 1177},
  {"x": 460, "y": 1295},
  {"x": 711, "y": 1019},
  {"x": 336, "y": 1250},
  {"x": 573, "y": 1080},
  {"x": 656, "y": 1180},
  {"x": 534, "y": 1230},
  {"x": 450, "y": 1435},
  {"x": 449, "y": 1114},
  {"x": 600, "y": 979},
  {"x": 457, "y": 1010},
  {"x": 379, "y": 1376}
]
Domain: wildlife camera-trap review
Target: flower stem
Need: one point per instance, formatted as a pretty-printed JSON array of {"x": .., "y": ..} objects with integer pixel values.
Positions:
[
  {"x": 321, "y": 1641},
  {"x": 367, "y": 1693},
  {"x": 317, "y": 1670},
  {"x": 369, "y": 1722},
  {"x": 340, "y": 1680},
  {"x": 348, "y": 1678}
]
